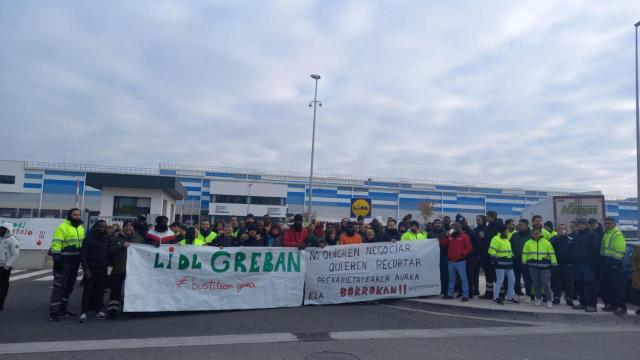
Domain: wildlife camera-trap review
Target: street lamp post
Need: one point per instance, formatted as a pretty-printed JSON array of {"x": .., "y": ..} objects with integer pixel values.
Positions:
[
  {"x": 249, "y": 198},
  {"x": 637, "y": 135},
  {"x": 315, "y": 104}
]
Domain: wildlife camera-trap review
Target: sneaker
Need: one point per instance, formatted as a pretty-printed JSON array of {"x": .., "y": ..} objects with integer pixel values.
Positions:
[
  {"x": 100, "y": 316},
  {"x": 83, "y": 317},
  {"x": 556, "y": 301},
  {"x": 578, "y": 307},
  {"x": 590, "y": 309},
  {"x": 66, "y": 314},
  {"x": 538, "y": 302},
  {"x": 447, "y": 297},
  {"x": 513, "y": 301},
  {"x": 497, "y": 302},
  {"x": 486, "y": 296},
  {"x": 464, "y": 299},
  {"x": 609, "y": 308},
  {"x": 54, "y": 316},
  {"x": 638, "y": 312},
  {"x": 570, "y": 303},
  {"x": 619, "y": 312},
  {"x": 549, "y": 304}
]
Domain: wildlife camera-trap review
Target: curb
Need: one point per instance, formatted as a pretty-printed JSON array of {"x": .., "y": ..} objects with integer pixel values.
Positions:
[{"x": 508, "y": 314}]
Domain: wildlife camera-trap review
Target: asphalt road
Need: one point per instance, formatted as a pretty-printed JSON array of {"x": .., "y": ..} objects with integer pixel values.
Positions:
[{"x": 355, "y": 331}]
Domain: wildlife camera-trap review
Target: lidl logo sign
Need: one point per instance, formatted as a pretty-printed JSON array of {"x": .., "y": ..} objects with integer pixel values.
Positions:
[{"x": 361, "y": 207}]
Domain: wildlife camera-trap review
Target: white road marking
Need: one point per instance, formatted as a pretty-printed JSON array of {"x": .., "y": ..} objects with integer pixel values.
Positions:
[
  {"x": 46, "y": 278},
  {"x": 17, "y": 271},
  {"x": 28, "y": 275},
  {"x": 87, "y": 345},
  {"x": 482, "y": 331}
]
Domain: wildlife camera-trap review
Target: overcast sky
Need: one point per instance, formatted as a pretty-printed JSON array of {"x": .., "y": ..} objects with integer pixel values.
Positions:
[{"x": 483, "y": 91}]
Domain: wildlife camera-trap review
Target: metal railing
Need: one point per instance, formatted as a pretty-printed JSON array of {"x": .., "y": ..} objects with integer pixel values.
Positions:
[{"x": 90, "y": 168}]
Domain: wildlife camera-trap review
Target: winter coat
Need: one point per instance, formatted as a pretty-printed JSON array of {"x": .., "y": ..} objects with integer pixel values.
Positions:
[
  {"x": 349, "y": 240},
  {"x": 517, "y": 244},
  {"x": 458, "y": 246},
  {"x": 586, "y": 248},
  {"x": 475, "y": 239},
  {"x": 95, "y": 250},
  {"x": 157, "y": 238},
  {"x": 251, "y": 241},
  {"x": 314, "y": 240},
  {"x": 118, "y": 252},
  {"x": 562, "y": 246},
  {"x": 223, "y": 241},
  {"x": 392, "y": 235},
  {"x": 9, "y": 247},
  {"x": 293, "y": 238}
]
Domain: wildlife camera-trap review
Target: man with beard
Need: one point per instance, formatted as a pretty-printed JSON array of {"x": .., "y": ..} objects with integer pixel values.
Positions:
[
  {"x": 438, "y": 232},
  {"x": 160, "y": 234},
  {"x": 296, "y": 235},
  {"x": 446, "y": 223},
  {"x": 141, "y": 226},
  {"x": 350, "y": 236},
  {"x": 537, "y": 225},
  {"x": 414, "y": 233},
  {"x": 66, "y": 250},
  {"x": 517, "y": 244},
  {"x": 205, "y": 235}
]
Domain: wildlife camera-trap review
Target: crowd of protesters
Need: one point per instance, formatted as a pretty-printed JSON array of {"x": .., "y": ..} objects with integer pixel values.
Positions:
[{"x": 582, "y": 259}]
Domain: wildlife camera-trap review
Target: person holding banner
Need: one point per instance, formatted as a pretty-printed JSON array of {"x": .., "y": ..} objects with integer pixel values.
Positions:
[
  {"x": 226, "y": 239},
  {"x": 66, "y": 248},
  {"x": 414, "y": 232},
  {"x": 458, "y": 246},
  {"x": 191, "y": 237},
  {"x": 118, "y": 254},
  {"x": 296, "y": 235},
  {"x": 9, "y": 251},
  {"x": 350, "y": 236},
  {"x": 205, "y": 235}
]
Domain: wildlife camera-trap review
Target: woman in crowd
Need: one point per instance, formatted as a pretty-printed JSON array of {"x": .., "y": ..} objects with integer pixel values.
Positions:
[
  {"x": 315, "y": 240},
  {"x": 274, "y": 237},
  {"x": 331, "y": 238},
  {"x": 118, "y": 252}
]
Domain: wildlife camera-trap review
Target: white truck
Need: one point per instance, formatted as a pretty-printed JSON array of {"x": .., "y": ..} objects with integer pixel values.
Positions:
[{"x": 564, "y": 209}]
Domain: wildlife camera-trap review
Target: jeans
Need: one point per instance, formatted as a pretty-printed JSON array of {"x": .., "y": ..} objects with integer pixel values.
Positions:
[
  {"x": 562, "y": 280},
  {"x": 500, "y": 274},
  {"x": 459, "y": 267},
  {"x": 541, "y": 281}
]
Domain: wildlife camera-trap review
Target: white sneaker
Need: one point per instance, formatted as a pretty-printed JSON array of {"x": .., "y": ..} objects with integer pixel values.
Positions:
[
  {"x": 549, "y": 305},
  {"x": 83, "y": 317},
  {"x": 538, "y": 302}
]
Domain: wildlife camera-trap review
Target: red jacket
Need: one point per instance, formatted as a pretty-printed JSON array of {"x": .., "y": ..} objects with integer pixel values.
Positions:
[
  {"x": 459, "y": 246},
  {"x": 293, "y": 238}
]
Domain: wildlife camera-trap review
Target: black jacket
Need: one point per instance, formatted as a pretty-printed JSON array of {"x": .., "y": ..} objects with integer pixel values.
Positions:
[
  {"x": 562, "y": 246},
  {"x": 391, "y": 235},
  {"x": 95, "y": 250},
  {"x": 118, "y": 252},
  {"x": 251, "y": 242},
  {"x": 517, "y": 244},
  {"x": 586, "y": 248},
  {"x": 223, "y": 241}
]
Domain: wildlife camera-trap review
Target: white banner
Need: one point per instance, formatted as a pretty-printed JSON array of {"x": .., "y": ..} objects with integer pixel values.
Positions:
[
  {"x": 33, "y": 233},
  {"x": 403, "y": 269},
  {"x": 180, "y": 278}
]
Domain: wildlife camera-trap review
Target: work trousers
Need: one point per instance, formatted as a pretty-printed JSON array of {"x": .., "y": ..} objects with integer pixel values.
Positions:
[
  {"x": 64, "y": 279},
  {"x": 93, "y": 294},
  {"x": 612, "y": 285},
  {"x": 562, "y": 280},
  {"x": 541, "y": 282}
]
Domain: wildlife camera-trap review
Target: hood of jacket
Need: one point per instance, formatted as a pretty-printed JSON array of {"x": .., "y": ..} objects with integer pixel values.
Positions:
[{"x": 9, "y": 227}]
